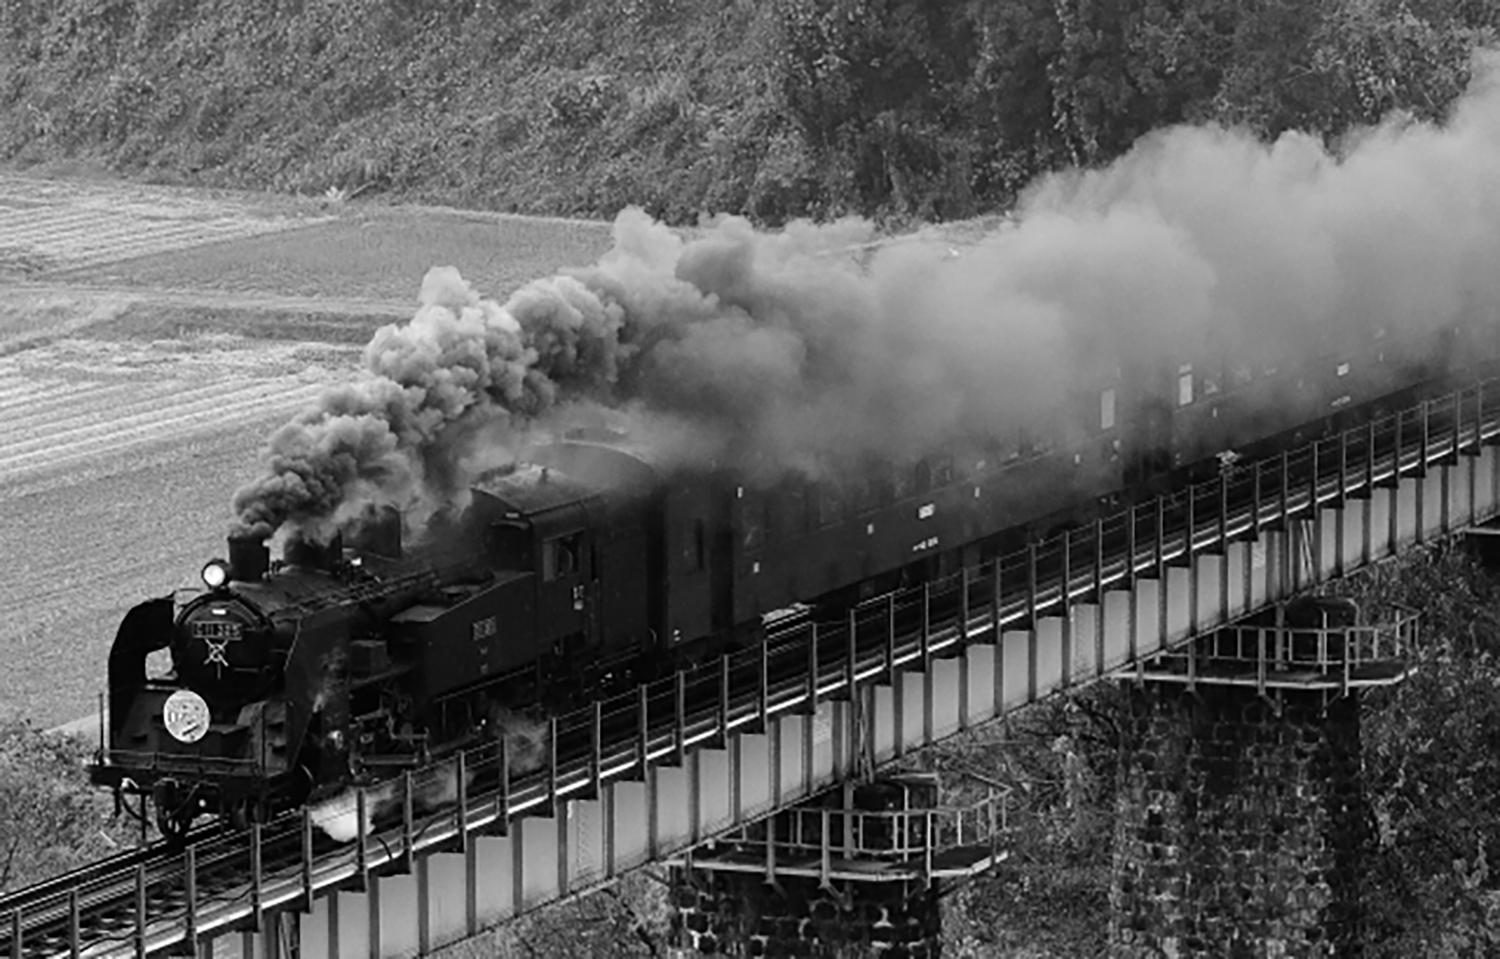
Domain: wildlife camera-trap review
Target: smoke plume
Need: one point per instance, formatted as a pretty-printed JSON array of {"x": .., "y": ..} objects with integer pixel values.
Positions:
[{"x": 775, "y": 352}]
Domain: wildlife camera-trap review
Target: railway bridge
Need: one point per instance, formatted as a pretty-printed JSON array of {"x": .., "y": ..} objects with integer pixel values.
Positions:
[{"x": 734, "y": 752}]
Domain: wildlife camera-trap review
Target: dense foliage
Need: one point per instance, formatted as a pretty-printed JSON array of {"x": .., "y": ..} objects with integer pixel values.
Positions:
[
  {"x": 1432, "y": 763},
  {"x": 896, "y": 108},
  {"x": 50, "y": 820}
]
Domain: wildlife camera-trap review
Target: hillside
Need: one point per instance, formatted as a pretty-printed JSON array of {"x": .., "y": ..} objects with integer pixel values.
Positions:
[{"x": 898, "y": 109}]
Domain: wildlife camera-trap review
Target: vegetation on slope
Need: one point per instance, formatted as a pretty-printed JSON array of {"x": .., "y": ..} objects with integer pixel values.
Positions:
[
  {"x": 51, "y": 821},
  {"x": 892, "y": 108}
]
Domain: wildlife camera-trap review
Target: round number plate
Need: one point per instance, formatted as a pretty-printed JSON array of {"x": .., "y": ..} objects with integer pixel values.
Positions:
[{"x": 186, "y": 716}]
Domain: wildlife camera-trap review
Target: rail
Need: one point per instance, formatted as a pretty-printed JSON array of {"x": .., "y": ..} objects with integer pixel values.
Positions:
[
  {"x": 928, "y": 844},
  {"x": 1340, "y": 659},
  {"x": 897, "y": 835},
  {"x": 208, "y": 889}
]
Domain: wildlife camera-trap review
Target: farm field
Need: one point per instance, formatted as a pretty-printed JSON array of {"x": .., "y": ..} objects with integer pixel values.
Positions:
[
  {"x": 117, "y": 461},
  {"x": 138, "y": 387}
]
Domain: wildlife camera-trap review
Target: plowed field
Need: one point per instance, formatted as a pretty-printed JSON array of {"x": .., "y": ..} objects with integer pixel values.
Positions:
[
  {"x": 117, "y": 461},
  {"x": 150, "y": 341}
]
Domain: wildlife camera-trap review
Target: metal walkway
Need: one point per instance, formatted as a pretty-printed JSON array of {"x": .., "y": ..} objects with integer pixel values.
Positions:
[{"x": 642, "y": 777}]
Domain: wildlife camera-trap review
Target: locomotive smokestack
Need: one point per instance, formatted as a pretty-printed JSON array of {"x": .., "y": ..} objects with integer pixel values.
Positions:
[{"x": 249, "y": 558}]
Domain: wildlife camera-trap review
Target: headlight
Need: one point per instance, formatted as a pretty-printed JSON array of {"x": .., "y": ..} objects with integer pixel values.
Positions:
[{"x": 215, "y": 573}]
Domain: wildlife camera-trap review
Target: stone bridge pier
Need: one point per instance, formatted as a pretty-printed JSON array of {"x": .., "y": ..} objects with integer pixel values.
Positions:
[
  {"x": 858, "y": 872},
  {"x": 1241, "y": 818}
]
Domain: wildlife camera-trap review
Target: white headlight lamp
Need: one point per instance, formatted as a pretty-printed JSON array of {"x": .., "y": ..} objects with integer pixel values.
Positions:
[{"x": 215, "y": 573}]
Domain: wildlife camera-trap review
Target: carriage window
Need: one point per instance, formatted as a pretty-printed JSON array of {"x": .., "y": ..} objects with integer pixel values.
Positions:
[
  {"x": 866, "y": 493},
  {"x": 1011, "y": 448},
  {"x": 1185, "y": 384},
  {"x": 793, "y": 520},
  {"x": 903, "y": 482},
  {"x": 753, "y": 520},
  {"x": 830, "y": 506},
  {"x": 1035, "y": 442},
  {"x": 880, "y": 486},
  {"x": 942, "y": 470},
  {"x": 695, "y": 551},
  {"x": 815, "y": 496},
  {"x": 1107, "y": 410}
]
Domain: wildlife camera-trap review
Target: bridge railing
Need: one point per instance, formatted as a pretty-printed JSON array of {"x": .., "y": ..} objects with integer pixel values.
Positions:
[
  {"x": 1300, "y": 647},
  {"x": 892, "y": 835}
]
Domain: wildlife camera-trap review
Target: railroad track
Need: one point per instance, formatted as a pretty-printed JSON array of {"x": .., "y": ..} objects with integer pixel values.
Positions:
[{"x": 156, "y": 898}]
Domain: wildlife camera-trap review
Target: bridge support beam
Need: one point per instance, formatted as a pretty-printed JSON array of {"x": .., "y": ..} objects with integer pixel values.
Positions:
[{"x": 1240, "y": 825}]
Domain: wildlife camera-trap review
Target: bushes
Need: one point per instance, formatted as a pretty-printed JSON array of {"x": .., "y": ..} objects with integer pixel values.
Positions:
[
  {"x": 51, "y": 820},
  {"x": 1432, "y": 763}
]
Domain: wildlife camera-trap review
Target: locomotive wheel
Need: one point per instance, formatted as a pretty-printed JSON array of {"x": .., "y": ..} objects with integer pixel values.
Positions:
[
  {"x": 174, "y": 822},
  {"x": 248, "y": 811},
  {"x": 174, "y": 811}
]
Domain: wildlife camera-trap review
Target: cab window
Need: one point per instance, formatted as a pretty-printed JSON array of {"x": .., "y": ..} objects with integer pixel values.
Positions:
[{"x": 560, "y": 557}]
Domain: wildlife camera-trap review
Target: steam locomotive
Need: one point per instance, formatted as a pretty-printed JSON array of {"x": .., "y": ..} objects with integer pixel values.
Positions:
[{"x": 590, "y": 564}]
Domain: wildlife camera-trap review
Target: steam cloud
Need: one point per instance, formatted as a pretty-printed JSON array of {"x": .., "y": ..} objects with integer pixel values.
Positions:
[{"x": 770, "y": 353}]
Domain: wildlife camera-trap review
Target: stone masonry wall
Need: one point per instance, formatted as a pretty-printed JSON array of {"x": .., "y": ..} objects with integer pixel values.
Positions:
[
  {"x": 1238, "y": 831},
  {"x": 738, "y": 914}
]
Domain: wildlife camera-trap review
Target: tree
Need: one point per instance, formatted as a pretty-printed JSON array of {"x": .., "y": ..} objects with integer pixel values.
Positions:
[{"x": 875, "y": 88}]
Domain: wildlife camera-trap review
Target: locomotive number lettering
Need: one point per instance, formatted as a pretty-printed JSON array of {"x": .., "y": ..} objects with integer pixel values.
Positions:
[
  {"x": 928, "y": 543},
  {"x": 217, "y": 632}
]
